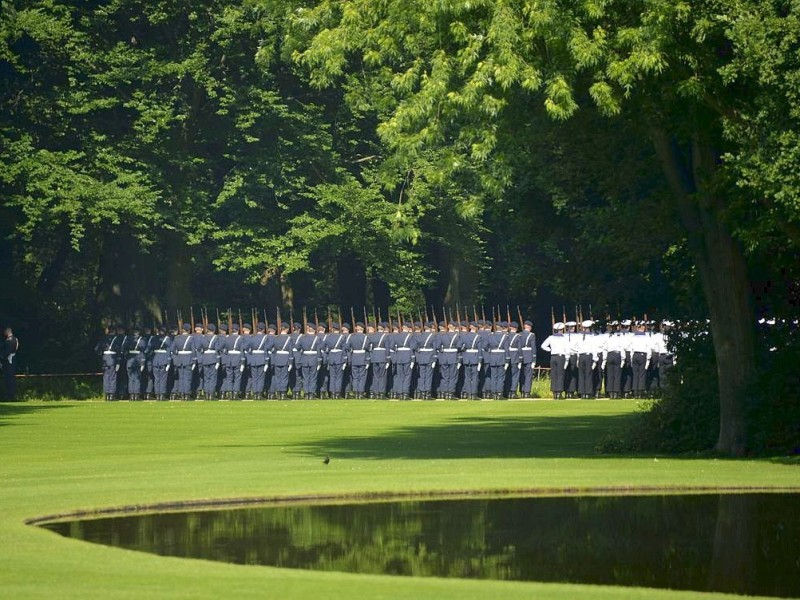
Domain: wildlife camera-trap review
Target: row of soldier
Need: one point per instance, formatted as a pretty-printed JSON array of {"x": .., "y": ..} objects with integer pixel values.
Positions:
[
  {"x": 628, "y": 359},
  {"x": 399, "y": 360}
]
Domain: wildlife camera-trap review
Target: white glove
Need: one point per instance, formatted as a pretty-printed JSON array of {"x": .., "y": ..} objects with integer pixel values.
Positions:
[
  {"x": 594, "y": 364},
  {"x": 519, "y": 365},
  {"x": 265, "y": 368},
  {"x": 193, "y": 366},
  {"x": 533, "y": 366},
  {"x": 433, "y": 364},
  {"x": 647, "y": 365},
  {"x": 458, "y": 366},
  {"x": 241, "y": 368},
  {"x": 505, "y": 367},
  {"x": 289, "y": 370},
  {"x": 344, "y": 367},
  {"x": 141, "y": 369},
  {"x": 603, "y": 366},
  {"x": 318, "y": 367},
  {"x": 116, "y": 367},
  {"x": 216, "y": 366},
  {"x": 167, "y": 369},
  {"x": 387, "y": 366}
]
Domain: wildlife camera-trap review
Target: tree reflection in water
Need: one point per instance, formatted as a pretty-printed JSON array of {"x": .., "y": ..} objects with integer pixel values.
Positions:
[{"x": 746, "y": 544}]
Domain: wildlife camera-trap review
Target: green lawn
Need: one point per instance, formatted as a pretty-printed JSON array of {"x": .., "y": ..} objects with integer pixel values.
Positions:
[{"x": 59, "y": 457}]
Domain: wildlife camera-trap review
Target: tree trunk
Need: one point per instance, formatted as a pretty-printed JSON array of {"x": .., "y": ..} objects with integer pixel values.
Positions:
[{"x": 722, "y": 270}]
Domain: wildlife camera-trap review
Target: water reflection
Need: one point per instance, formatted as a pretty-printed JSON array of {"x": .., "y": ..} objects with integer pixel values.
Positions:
[{"x": 746, "y": 544}]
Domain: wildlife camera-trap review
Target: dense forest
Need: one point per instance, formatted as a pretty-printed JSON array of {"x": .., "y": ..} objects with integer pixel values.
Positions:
[{"x": 640, "y": 157}]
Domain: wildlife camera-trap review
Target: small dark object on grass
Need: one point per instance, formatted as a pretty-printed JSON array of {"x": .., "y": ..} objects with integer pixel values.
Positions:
[{"x": 326, "y": 460}]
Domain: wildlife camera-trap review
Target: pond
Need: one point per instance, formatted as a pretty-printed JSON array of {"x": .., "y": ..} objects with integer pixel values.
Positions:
[{"x": 737, "y": 543}]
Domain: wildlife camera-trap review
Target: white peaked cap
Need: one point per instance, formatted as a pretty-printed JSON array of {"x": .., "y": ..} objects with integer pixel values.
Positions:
[{"x": 587, "y": 323}]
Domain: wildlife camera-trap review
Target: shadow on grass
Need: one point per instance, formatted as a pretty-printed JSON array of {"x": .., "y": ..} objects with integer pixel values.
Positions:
[
  {"x": 9, "y": 410},
  {"x": 526, "y": 437}
]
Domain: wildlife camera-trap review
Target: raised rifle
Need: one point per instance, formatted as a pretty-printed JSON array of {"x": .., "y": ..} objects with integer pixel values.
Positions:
[
  {"x": 180, "y": 321},
  {"x": 254, "y": 316},
  {"x": 330, "y": 321},
  {"x": 475, "y": 313},
  {"x": 508, "y": 315},
  {"x": 230, "y": 320},
  {"x": 458, "y": 315},
  {"x": 339, "y": 312},
  {"x": 305, "y": 320},
  {"x": 552, "y": 316},
  {"x": 240, "y": 320},
  {"x": 366, "y": 320},
  {"x": 352, "y": 319},
  {"x": 564, "y": 314},
  {"x": 519, "y": 316},
  {"x": 291, "y": 319},
  {"x": 205, "y": 319},
  {"x": 399, "y": 320},
  {"x": 494, "y": 320},
  {"x": 375, "y": 316},
  {"x": 217, "y": 309},
  {"x": 316, "y": 320},
  {"x": 191, "y": 317},
  {"x": 483, "y": 315},
  {"x": 278, "y": 317}
]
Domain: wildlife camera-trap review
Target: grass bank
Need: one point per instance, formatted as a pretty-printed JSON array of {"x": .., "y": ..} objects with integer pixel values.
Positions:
[{"x": 59, "y": 457}]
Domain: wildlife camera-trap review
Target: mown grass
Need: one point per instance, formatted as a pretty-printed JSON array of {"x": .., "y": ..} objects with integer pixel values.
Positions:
[{"x": 59, "y": 457}]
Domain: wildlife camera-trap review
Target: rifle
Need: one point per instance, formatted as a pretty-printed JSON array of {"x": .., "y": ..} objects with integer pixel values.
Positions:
[
  {"x": 564, "y": 314},
  {"x": 266, "y": 320},
  {"x": 483, "y": 315},
  {"x": 339, "y": 312},
  {"x": 552, "y": 316},
  {"x": 366, "y": 320},
  {"x": 353, "y": 319},
  {"x": 508, "y": 316},
  {"x": 240, "y": 319},
  {"x": 494, "y": 320},
  {"x": 278, "y": 317},
  {"x": 180, "y": 320},
  {"x": 191, "y": 317},
  {"x": 435, "y": 320},
  {"x": 475, "y": 313},
  {"x": 458, "y": 315},
  {"x": 305, "y": 320},
  {"x": 519, "y": 315},
  {"x": 399, "y": 320},
  {"x": 230, "y": 320},
  {"x": 330, "y": 322},
  {"x": 427, "y": 320},
  {"x": 375, "y": 316},
  {"x": 316, "y": 320},
  {"x": 291, "y": 319},
  {"x": 421, "y": 322},
  {"x": 254, "y": 315},
  {"x": 590, "y": 313}
]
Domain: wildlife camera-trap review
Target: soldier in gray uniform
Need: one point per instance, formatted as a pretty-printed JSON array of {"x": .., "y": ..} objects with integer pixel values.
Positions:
[
  {"x": 358, "y": 359},
  {"x": 514, "y": 360},
  {"x": 199, "y": 342},
  {"x": 528, "y": 354},
  {"x": 498, "y": 359},
  {"x": 134, "y": 350},
  {"x": 161, "y": 345},
  {"x": 110, "y": 348},
  {"x": 448, "y": 346},
  {"x": 233, "y": 361},
  {"x": 471, "y": 360},
  {"x": 378, "y": 346},
  {"x": 183, "y": 362},
  {"x": 209, "y": 361},
  {"x": 402, "y": 346},
  {"x": 257, "y": 359},
  {"x": 308, "y": 347},
  {"x": 282, "y": 362},
  {"x": 335, "y": 360},
  {"x": 425, "y": 358}
]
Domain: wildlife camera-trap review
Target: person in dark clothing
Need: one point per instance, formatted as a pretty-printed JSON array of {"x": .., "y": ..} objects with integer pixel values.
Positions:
[{"x": 8, "y": 354}]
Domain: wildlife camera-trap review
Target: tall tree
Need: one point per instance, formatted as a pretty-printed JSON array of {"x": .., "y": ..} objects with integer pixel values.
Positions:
[{"x": 454, "y": 68}]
